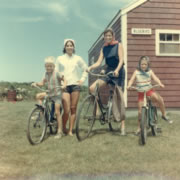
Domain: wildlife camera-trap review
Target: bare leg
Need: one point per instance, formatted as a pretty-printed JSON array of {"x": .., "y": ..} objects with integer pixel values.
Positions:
[
  {"x": 157, "y": 98},
  {"x": 74, "y": 102},
  {"x": 92, "y": 88},
  {"x": 58, "y": 115},
  {"x": 66, "y": 106},
  {"x": 40, "y": 97}
]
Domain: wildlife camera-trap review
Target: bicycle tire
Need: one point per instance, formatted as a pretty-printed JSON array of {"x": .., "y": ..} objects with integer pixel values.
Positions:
[
  {"x": 37, "y": 126},
  {"x": 113, "y": 126},
  {"x": 85, "y": 118},
  {"x": 143, "y": 126},
  {"x": 155, "y": 118}
]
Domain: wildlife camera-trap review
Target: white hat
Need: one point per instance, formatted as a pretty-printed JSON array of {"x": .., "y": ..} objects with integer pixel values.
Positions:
[
  {"x": 49, "y": 60},
  {"x": 66, "y": 40}
]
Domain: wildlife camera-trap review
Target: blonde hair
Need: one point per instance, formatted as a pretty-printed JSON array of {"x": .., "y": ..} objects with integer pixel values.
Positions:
[
  {"x": 146, "y": 58},
  {"x": 49, "y": 60}
]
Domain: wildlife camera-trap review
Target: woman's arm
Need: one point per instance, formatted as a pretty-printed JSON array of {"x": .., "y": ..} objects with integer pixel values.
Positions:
[
  {"x": 132, "y": 79},
  {"x": 121, "y": 59},
  {"x": 156, "y": 79},
  {"x": 83, "y": 66},
  {"x": 98, "y": 63}
]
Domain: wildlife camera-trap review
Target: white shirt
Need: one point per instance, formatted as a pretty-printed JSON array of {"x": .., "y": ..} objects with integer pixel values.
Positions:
[{"x": 72, "y": 67}]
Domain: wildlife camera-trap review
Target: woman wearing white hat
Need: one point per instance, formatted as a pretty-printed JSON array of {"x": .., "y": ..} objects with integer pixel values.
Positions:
[{"x": 73, "y": 68}]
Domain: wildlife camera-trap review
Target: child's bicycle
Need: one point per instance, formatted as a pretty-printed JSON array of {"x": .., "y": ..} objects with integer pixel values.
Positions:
[
  {"x": 149, "y": 117},
  {"x": 41, "y": 117},
  {"x": 87, "y": 113}
]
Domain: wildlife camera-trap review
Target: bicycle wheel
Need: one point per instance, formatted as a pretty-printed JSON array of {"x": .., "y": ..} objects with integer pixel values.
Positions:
[
  {"x": 143, "y": 126},
  {"x": 85, "y": 118},
  {"x": 53, "y": 127},
  {"x": 37, "y": 126},
  {"x": 155, "y": 118},
  {"x": 113, "y": 126}
]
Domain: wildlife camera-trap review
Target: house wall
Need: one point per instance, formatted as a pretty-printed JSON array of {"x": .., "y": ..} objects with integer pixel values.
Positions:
[{"x": 155, "y": 14}]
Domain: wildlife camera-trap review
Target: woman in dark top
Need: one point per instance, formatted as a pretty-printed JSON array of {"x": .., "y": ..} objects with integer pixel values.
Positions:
[{"x": 112, "y": 51}]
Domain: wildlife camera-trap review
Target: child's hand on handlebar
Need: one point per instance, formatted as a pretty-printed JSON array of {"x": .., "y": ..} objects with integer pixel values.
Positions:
[
  {"x": 34, "y": 84},
  {"x": 161, "y": 85}
]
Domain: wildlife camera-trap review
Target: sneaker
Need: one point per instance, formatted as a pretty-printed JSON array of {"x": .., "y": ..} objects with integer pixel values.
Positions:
[
  {"x": 123, "y": 132},
  {"x": 167, "y": 120},
  {"x": 70, "y": 134},
  {"x": 58, "y": 136},
  {"x": 137, "y": 132}
]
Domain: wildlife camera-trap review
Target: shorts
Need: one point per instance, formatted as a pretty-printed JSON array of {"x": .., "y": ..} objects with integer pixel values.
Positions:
[
  {"x": 72, "y": 88},
  {"x": 141, "y": 95},
  {"x": 115, "y": 80},
  {"x": 57, "y": 99}
]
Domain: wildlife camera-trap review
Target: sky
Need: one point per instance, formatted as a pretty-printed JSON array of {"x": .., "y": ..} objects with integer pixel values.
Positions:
[{"x": 31, "y": 30}]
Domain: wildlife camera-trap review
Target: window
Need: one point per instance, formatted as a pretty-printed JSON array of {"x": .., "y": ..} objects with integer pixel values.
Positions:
[{"x": 168, "y": 42}]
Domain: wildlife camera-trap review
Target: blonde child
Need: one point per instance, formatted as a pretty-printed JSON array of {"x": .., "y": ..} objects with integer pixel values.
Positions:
[
  {"x": 53, "y": 80},
  {"x": 143, "y": 75}
]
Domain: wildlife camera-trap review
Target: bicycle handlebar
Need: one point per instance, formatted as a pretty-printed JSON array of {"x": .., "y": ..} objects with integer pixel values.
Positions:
[
  {"x": 135, "y": 88},
  {"x": 101, "y": 75},
  {"x": 47, "y": 91}
]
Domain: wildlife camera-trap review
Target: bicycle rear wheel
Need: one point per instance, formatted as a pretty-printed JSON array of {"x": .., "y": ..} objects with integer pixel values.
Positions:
[
  {"x": 143, "y": 126},
  {"x": 85, "y": 118},
  {"x": 37, "y": 126},
  {"x": 155, "y": 119},
  {"x": 113, "y": 126}
]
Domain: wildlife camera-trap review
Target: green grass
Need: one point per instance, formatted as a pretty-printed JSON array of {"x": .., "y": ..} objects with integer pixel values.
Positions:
[{"x": 102, "y": 156}]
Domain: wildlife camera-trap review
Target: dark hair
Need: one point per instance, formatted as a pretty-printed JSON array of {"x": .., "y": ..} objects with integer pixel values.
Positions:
[
  {"x": 109, "y": 30},
  {"x": 64, "y": 50},
  {"x": 140, "y": 60}
]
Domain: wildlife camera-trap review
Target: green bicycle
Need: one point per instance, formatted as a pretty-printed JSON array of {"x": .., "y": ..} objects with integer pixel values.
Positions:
[
  {"x": 149, "y": 117},
  {"x": 87, "y": 113}
]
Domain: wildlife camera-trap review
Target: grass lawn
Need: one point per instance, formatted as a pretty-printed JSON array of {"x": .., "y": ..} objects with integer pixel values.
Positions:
[{"x": 102, "y": 156}]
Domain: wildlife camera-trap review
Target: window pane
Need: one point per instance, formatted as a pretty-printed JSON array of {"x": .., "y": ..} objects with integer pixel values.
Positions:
[
  {"x": 169, "y": 48},
  {"x": 169, "y": 37},
  {"x": 162, "y": 37},
  {"x": 175, "y": 37}
]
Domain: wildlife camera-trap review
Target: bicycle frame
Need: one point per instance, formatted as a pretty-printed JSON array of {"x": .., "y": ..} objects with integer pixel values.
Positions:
[{"x": 98, "y": 99}]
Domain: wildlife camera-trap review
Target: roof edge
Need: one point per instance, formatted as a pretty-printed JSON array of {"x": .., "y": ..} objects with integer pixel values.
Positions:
[{"x": 120, "y": 13}]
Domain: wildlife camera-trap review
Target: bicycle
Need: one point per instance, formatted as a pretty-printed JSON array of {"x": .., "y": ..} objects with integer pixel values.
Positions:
[
  {"x": 41, "y": 117},
  {"x": 149, "y": 117},
  {"x": 87, "y": 113}
]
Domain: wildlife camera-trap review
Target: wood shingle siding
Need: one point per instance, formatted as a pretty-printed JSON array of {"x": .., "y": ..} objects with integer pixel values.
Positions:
[{"x": 155, "y": 14}]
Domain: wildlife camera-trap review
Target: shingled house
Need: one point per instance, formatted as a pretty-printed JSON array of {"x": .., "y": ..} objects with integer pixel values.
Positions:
[{"x": 152, "y": 28}]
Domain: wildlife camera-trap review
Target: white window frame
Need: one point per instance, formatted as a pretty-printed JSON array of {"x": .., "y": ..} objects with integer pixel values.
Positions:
[{"x": 166, "y": 31}]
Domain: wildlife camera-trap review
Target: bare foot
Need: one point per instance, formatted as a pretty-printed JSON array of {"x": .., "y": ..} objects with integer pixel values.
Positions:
[{"x": 70, "y": 134}]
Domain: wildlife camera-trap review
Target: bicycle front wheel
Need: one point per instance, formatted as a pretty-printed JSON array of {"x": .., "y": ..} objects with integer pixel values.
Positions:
[
  {"x": 143, "y": 126},
  {"x": 37, "y": 126},
  {"x": 155, "y": 119},
  {"x": 85, "y": 117}
]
